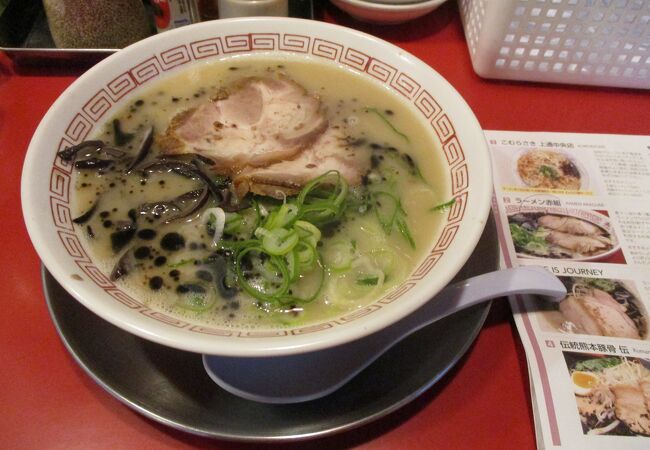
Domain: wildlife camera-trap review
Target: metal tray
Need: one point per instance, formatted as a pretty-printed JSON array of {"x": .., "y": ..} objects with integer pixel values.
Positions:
[
  {"x": 32, "y": 43},
  {"x": 171, "y": 387}
]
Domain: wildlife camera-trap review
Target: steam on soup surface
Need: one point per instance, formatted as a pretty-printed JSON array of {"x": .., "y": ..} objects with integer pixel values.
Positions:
[{"x": 259, "y": 193}]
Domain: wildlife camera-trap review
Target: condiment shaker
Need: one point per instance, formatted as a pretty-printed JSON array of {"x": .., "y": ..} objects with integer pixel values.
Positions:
[
  {"x": 243, "y": 8},
  {"x": 97, "y": 24}
]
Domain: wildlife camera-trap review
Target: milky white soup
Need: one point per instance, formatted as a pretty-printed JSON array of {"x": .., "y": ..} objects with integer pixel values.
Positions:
[{"x": 260, "y": 261}]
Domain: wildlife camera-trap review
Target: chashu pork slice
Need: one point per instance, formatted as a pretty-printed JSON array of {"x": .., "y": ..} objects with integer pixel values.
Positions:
[
  {"x": 597, "y": 313},
  {"x": 612, "y": 316},
  {"x": 645, "y": 388},
  {"x": 258, "y": 122},
  {"x": 574, "y": 310},
  {"x": 569, "y": 225},
  {"x": 331, "y": 151},
  {"x": 631, "y": 408},
  {"x": 584, "y": 245}
]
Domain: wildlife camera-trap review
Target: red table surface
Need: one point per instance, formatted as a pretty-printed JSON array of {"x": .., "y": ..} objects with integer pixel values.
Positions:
[{"x": 47, "y": 401}]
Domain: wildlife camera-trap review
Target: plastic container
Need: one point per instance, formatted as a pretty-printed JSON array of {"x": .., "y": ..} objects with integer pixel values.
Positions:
[{"x": 591, "y": 42}]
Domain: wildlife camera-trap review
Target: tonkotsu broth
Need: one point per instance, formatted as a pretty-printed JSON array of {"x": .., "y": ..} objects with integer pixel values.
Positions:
[{"x": 368, "y": 112}]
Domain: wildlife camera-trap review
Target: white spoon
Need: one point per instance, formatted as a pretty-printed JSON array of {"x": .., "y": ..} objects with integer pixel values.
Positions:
[{"x": 308, "y": 376}]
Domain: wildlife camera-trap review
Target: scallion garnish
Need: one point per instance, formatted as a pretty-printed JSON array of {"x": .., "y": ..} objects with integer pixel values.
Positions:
[
  {"x": 368, "y": 281},
  {"x": 387, "y": 122},
  {"x": 444, "y": 206}
]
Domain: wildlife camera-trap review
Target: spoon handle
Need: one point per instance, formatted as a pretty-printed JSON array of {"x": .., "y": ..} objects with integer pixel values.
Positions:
[{"x": 502, "y": 283}]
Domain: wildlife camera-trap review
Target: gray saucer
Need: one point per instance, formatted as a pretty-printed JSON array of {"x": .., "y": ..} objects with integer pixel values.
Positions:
[{"x": 171, "y": 387}]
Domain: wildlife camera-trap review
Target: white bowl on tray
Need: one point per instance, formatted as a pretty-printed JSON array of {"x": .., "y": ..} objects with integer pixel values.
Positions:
[
  {"x": 387, "y": 12},
  {"x": 47, "y": 181}
]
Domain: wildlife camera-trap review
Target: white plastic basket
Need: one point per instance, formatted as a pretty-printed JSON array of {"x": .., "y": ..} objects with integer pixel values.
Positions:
[{"x": 595, "y": 42}]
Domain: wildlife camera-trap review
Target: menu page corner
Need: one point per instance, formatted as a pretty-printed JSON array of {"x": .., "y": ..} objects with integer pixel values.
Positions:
[{"x": 579, "y": 205}]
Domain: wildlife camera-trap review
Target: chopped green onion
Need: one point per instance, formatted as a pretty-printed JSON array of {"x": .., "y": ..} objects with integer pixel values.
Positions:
[
  {"x": 362, "y": 280},
  {"x": 549, "y": 172},
  {"x": 268, "y": 270},
  {"x": 215, "y": 219},
  {"x": 386, "y": 206},
  {"x": 234, "y": 223},
  {"x": 306, "y": 254},
  {"x": 238, "y": 245},
  {"x": 368, "y": 281},
  {"x": 256, "y": 291},
  {"x": 307, "y": 232},
  {"x": 280, "y": 260},
  {"x": 281, "y": 217},
  {"x": 387, "y": 122},
  {"x": 292, "y": 264},
  {"x": 320, "y": 201},
  {"x": 258, "y": 213},
  {"x": 403, "y": 228},
  {"x": 278, "y": 241},
  {"x": 444, "y": 206}
]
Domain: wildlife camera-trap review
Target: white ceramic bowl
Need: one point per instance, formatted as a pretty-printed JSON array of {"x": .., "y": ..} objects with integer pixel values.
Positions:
[
  {"x": 92, "y": 99},
  {"x": 386, "y": 12}
]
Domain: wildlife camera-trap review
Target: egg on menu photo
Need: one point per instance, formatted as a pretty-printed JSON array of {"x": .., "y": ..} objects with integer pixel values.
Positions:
[{"x": 583, "y": 382}]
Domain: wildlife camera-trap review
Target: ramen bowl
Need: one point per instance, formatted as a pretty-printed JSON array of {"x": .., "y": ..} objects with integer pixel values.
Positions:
[{"x": 48, "y": 181}]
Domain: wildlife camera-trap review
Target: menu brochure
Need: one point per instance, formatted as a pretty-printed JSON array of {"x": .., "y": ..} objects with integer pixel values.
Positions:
[{"x": 579, "y": 205}]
